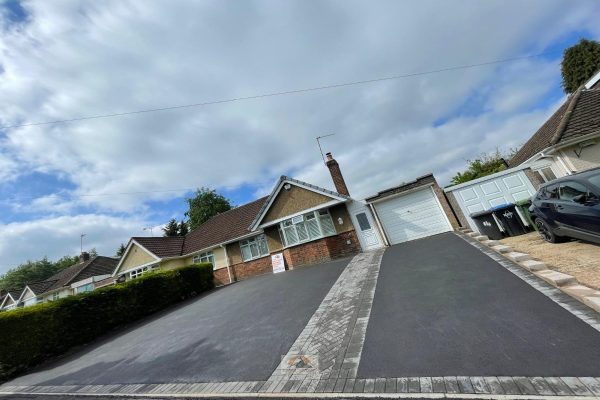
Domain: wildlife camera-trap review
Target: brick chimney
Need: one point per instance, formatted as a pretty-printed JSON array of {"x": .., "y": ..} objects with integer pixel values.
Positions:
[
  {"x": 84, "y": 256},
  {"x": 336, "y": 175}
]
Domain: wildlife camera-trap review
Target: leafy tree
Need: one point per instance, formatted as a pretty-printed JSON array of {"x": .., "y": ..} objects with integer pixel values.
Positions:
[
  {"x": 580, "y": 62},
  {"x": 204, "y": 205},
  {"x": 485, "y": 164},
  {"x": 121, "y": 250},
  {"x": 33, "y": 271},
  {"x": 171, "y": 229},
  {"x": 182, "y": 229}
]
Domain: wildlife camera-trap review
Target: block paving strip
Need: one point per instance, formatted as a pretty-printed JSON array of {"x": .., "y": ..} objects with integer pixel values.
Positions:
[
  {"x": 473, "y": 385},
  {"x": 334, "y": 336}
]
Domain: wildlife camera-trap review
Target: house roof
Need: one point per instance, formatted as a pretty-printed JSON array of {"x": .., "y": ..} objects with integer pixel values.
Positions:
[
  {"x": 578, "y": 116},
  {"x": 221, "y": 228},
  {"x": 404, "y": 187},
  {"x": 285, "y": 179},
  {"x": 169, "y": 246},
  {"x": 99, "y": 265}
]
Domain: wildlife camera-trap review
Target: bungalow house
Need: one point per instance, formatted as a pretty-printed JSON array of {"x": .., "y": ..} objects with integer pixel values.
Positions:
[
  {"x": 10, "y": 300},
  {"x": 79, "y": 278},
  {"x": 569, "y": 141},
  {"x": 303, "y": 223}
]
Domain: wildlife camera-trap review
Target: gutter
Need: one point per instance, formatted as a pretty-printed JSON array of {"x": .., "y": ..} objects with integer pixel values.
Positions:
[{"x": 549, "y": 151}]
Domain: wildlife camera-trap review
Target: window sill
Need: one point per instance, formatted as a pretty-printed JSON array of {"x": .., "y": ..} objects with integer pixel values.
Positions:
[{"x": 256, "y": 258}]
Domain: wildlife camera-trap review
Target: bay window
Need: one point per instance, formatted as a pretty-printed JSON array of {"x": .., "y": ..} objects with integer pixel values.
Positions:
[
  {"x": 306, "y": 227},
  {"x": 207, "y": 257},
  {"x": 254, "y": 248}
]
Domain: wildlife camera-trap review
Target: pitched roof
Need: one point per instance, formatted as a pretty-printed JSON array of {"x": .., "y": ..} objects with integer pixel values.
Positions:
[
  {"x": 226, "y": 226},
  {"x": 99, "y": 265},
  {"x": 420, "y": 181},
  {"x": 283, "y": 179},
  {"x": 165, "y": 246},
  {"x": 579, "y": 115}
]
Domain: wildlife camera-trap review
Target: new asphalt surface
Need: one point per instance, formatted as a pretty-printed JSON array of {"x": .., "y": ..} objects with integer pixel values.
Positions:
[
  {"x": 443, "y": 308},
  {"x": 239, "y": 332}
]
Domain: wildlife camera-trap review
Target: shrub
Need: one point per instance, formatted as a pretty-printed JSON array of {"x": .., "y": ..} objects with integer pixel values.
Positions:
[{"x": 33, "y": 334}]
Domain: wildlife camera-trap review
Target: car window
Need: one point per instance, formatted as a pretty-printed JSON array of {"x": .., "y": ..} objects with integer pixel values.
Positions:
[
  {"x": 569, "y": 190},
  {"x": 551, "y": 192},
  {"x": 594, "y": 180}
]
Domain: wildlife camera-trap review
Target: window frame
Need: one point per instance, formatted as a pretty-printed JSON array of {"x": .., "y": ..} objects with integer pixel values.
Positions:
[
  {"x": 205, "y": 257},
  {"x": 136, "y": 273},
  {"x": 254, "y": 241},
  {"x": 316, "y": 216}
]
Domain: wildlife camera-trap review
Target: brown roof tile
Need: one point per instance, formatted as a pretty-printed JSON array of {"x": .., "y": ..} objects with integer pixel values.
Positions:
[
  {"x": 223, "y": 227},
  {"x": 169, "y": 246},
  {"x": 583, "y": 119}
]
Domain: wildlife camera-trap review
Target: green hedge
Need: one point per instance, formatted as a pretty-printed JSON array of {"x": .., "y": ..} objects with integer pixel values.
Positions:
[{"x": 33, "y": 334}]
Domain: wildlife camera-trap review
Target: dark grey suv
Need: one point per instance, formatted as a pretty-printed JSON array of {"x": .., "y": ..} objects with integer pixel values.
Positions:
[{"x": 569, "y": 207}]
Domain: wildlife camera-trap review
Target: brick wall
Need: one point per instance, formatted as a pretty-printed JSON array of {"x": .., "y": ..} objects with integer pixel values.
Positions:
[
  {"x": 247, "y": 269},
  {"x": 221, "y": 277},
  {"x": 456, "y": 207},
  {"x": 445, "y": 205},
  {"x": 535, "y": 179},
  {"x": 322, "y": 250}
]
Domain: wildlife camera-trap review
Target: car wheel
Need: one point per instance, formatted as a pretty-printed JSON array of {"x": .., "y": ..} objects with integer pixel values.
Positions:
[{"x": 546, "y": 232}]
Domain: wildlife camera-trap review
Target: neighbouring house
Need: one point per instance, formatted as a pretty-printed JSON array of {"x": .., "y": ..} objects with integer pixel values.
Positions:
[
  {"x": 305, "y": 223},
  {"x": 412, "y": 210},
  {"x": 78, "y": 278},
  {"x": 10, "y": 300},
  {"x": 568, "y": 142}
]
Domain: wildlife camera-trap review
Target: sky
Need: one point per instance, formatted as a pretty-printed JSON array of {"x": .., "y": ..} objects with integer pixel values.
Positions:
[{"x": 68, "y": 59}]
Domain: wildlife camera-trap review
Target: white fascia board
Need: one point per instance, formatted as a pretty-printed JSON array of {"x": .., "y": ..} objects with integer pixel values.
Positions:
[
  {"x": 4, "y": 300},
  {"x": 276, "y": 191},
  {"x": 548, "y": 151},
  {"x": 25, "y": 289},
  {"x": 137, "y": 267},
  {"x": 315, "y": 208},
  {"x": 593, "y": 80},
  {"x": 129, "y": 246},
  {"x": 400, "y": 194},
  {"x": 487, "y": 177}
]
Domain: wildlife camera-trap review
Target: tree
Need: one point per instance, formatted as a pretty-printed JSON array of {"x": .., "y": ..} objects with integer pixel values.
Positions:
[
  {"x": 182, "y": 229},
  {"x": 580, "y": 62},
  {"x": 171, "y": 229},
  {"x": 121, "y": 250},
  {"x": 33, "y": 271},
  {"x": 485, "y": 164},
  {"x": 204, "y": 205}
]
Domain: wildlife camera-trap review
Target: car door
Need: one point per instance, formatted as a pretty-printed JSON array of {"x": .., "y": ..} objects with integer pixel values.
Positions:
[
  {"x": 578, "y": 207},
  {"x": 545, "y": 203}
]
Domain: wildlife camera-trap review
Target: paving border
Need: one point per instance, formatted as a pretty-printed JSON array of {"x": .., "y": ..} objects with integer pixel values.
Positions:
[
  {"x": 488, "y": 387},
  {"x": 555, "y": 293}
]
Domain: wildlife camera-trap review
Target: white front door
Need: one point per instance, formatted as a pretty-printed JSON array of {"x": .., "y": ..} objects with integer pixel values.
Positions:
[{"x": 366, "y": 230}]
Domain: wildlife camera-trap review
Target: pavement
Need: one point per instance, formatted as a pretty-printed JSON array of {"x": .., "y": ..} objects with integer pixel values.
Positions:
[
  {"x": 240, "y": 331},
  {"x": 432, "y": 317},
  {"x": 442, "y": 307}
]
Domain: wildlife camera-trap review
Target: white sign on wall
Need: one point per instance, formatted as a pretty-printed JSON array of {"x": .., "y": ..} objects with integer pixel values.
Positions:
[{"x": 278, "y": 263}]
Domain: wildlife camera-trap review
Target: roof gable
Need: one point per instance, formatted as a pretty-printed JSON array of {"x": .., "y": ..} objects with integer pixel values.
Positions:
[{"x": 283, "y": 181}]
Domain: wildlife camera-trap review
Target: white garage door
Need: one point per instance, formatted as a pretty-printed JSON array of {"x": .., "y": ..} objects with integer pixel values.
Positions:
[
  {"x": 412, "y": 216},
  {"x": 482, "y": 194}
]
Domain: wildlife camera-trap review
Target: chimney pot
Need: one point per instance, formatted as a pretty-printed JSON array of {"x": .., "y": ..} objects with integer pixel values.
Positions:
[
  {"x": 84, "y": 256},
  {"x": 336, "y": 175}
]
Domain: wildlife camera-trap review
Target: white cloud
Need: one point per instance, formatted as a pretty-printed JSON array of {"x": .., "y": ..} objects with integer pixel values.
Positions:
[
  {"x": 73, "y": 59},
  {"x": 59, "y": 236}
]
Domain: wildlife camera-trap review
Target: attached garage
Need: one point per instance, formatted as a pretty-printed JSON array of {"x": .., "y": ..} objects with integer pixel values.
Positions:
[{"x": 412, "y": 211}]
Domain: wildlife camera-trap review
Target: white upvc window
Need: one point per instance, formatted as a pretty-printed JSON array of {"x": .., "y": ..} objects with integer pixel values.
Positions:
[
  {"x": 85, "y": 288},
  {"x": 141, "y": 271},
  {"x": 207, "y": 257},
  {"x": 255, "y": 247},
  {"x": 306, "y": 227}
]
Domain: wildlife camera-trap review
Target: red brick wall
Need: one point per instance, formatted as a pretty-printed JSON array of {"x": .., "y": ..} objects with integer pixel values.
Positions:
[
  {"x": 321, "y": 250},
  {"x": 439, "y": 193}
]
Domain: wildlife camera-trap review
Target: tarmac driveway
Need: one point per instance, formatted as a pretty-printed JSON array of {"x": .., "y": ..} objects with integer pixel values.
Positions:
[
  {"x": 443, "y": 308},
  {"x": 239, "y": 332}
]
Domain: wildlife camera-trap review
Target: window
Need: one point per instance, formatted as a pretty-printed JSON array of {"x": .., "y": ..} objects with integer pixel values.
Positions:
[
  {"x": 207, "y": 257},
  {"x": 84, "y": 288},
  {"x": 141, "y": 271},
  {"x": 254, "y": 248},
  {"x": 306, "y": 227},
  {"x": 55, "y": 296},
  {"x": 569, "y": 190},
  {"x": 551, "y": 192},
  {"x": 548, "y": 174},
  {"x": 363, "y": 221}
]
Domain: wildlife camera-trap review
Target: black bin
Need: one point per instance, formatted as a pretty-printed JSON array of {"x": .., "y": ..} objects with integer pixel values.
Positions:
[
  {"x": 486, "y": 224},
  {"x": 510, "y": 219}
]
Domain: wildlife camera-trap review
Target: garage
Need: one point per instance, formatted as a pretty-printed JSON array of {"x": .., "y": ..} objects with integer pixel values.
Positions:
[
  {"x": 481, "y": 194},
  {"x": 412, "y": 211}
]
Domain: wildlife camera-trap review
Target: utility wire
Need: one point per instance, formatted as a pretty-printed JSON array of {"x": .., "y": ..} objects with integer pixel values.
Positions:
[{"x": 295, "y": 91}]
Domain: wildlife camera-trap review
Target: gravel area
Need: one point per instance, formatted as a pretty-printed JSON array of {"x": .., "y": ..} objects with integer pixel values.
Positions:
[{"x": 576, "y": 258}]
